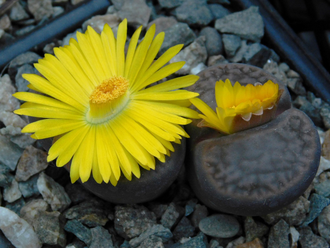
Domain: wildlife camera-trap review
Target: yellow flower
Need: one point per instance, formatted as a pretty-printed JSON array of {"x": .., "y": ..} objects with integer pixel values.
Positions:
[
  {"x": 96, "y": 103},
  {"x": 237, "y": 104}
]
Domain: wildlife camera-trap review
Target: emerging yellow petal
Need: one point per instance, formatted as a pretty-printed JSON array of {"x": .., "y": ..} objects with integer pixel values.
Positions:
[
  {"x": 96, "y": 102},
  {"x": 239, "y": 107}
]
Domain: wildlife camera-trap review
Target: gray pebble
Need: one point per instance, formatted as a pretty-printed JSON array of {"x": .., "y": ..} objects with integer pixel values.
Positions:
[
  {"x": 317, "y": 204},
  {"x": 48, "y": 228},
  {"x": 294, "y": 214},
  {"x": 231, "y": 43},
  {"x": 200, "y": 213},
  {"x": 152, "y": 242},
  {"x": 171, "y": 216},
  {"x": 9, "y": 153},
  {"x": 194, "y": 12},
  {"x": 213, "y": 42},
  {"x": 168, "y": 4},
  {"x": 184, "y": 229},
  {"x": 130, "y": 222},
  {"x": 157, "y": 230},
  {"x": 101, "y": 238},
  {"x": 247, "y": 24},
  {"x": 179, "y": 33},
  {"x": 199, "y": 241},
  {"x": 218, "y": 11},
  {"x": 20, "y": 82},
  {"x": 254, "y": 229},
  {"x": 29, "y": 187},
  {"x": 308, "y": 239},
  {"x": 79, "y": 230},
  {"x": 279, "y": 235},
  {"x": 219, "y": 226}
]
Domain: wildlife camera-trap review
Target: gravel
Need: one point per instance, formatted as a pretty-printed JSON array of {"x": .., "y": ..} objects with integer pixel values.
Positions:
[{"x": 41, "y": 208}]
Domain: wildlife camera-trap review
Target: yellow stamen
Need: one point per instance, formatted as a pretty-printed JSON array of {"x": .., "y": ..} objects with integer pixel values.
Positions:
[
  {"x": 107, "y": 99},
  {"x": 109, "y": 90}
]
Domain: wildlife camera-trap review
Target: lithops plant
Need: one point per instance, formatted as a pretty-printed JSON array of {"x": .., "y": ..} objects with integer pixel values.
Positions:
[{"x": 257, "y": 170}]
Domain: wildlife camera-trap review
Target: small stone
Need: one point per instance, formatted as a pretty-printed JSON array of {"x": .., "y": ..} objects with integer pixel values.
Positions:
[
  {"x": 137, "y": 12},
  {"x": 231, "y": 44},
  {"x": 323, "y": 223},
  {"x": 9, "y": 153},
  {"x": 5, "y": 23},
  {"x": 11, "y": 119},
  {"x": 254, "y": 229},
  {"x": 169, "y": 4},
  {"x": 29, "y": 188},
  {"x": 163, "y": 23},
  {"x": 213, "y": 42},
  {"x": 308, "y": 239},
  {"x": 317, "y": 204},
  {"x": 171, "y": 216},
  {"x": 152, "y": 242},
  {"x": 292, "y": 74},
  {"x": 20, "y": 82},
  {"x": 216, "y": 60},
  {"x": 325, "y": 114},
  {"x": 179, "y": 33},
  {"x": 5, "y": 177},
  {"x": 25, "y": 30},
  {"x": 101, "y": 238},
  {"x": 57, "y": 11},
  {"x": 40, "y": 8},
  {"x": 189, "y": 208},
  {"x": 194, "y": 12},
  {"x": 294, "y": 214},
  {"x": 31, "y": 209},
  {"x": 12, "y": 193},
  {"x": 23, "y": 140},
  {"x": 16, "y": 206},
  {"x": 130, "y": 222},
  {"x": 1, "y": 33},
  {"x": 200, "y": 241},
  {"x": 219, "y": 226},
  {"x": 7, "y": 101},
  {"x": 70, "y": 36},
  {"x": 193, "y": 55},
  {"x": 53, "y": 193},
  {"x": 218, "y": 11},
  {"x": 256, "y": 243},
  {"x": 284, "y": 67},
  {"x": 17, "y": 12},
  {"x": 97, "y": 23},
  {"x": 32, "y": 161},
  {"x": 158, "y": 209},
  {"x": 279, "y": 235},
  {"x": 184, "y": 229},
  {"x": 48, "y": 228},
  {"x": 214, "y": 244},
  {"x": 257, "y": 55},
  {"x": 79, "y": 230},
  {"x": 295, "y": 84},
  {"x": 323, "y": 188},
  {"x": 236, "y": 242},
  {"x": 200, "y": 213},
  {"x": 198, "y": 68},
  {"x": 272, "y": 67},
  {"x": 308, "y": 109},
  {"x": 17, "y": 230},
  {"x": 247, "y": 24},
  {"x": 156, "y": 230},
  {"x": 294, "y": 234},
  {"x": 24, "y": 58}
]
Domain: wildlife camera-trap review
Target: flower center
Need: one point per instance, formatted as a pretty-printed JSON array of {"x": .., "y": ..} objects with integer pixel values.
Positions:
[{"x": 107, "y": 99}]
